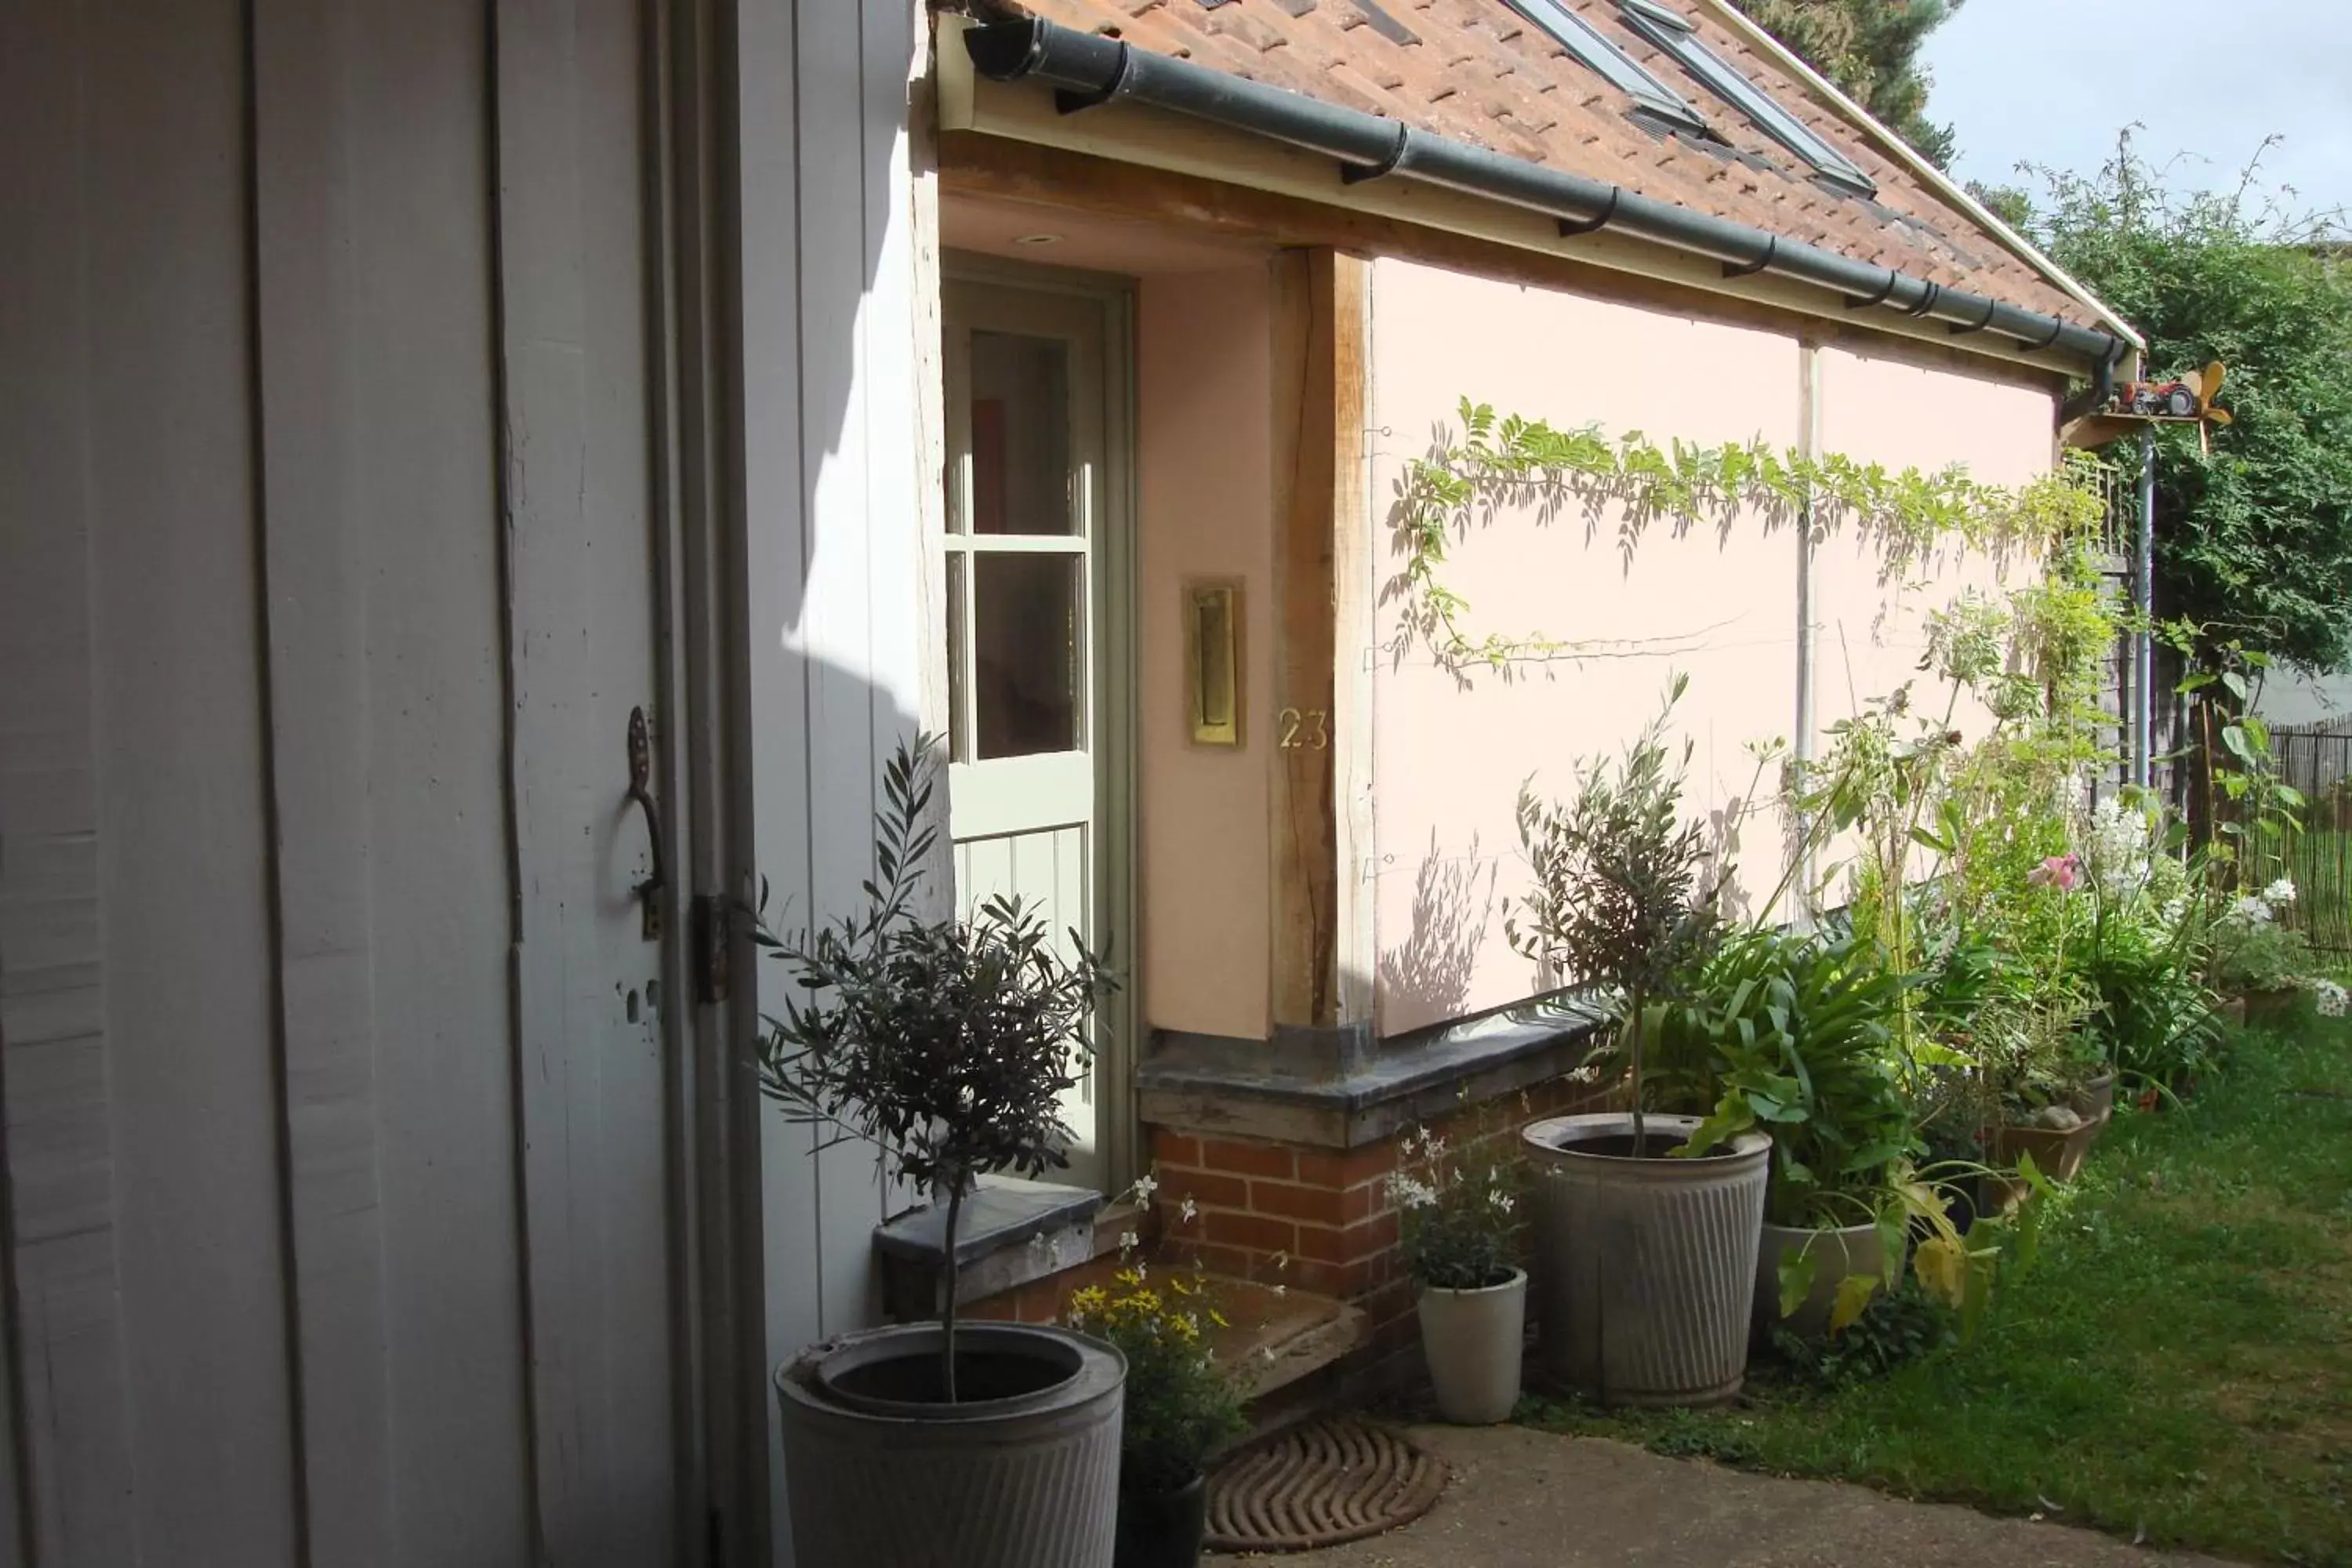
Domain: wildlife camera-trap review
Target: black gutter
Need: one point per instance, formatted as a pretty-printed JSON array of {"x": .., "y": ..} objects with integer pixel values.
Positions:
[{"x": 1090, "y": 70}]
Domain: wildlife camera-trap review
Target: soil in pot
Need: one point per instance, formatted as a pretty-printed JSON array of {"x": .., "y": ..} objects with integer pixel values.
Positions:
[
  {"x": 1162, "y": 1529},
  {"x": 980, "y": 1375}
]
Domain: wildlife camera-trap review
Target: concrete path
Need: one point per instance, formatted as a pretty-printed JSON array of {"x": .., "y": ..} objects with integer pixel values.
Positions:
[{"x": 1521, "y": 1499}]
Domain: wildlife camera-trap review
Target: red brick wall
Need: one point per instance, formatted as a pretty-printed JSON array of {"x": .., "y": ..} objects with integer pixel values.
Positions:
[{"x": 1316, "y": 1219}]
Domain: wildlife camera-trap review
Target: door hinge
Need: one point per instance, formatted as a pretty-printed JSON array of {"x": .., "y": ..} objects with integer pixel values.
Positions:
[{"x": 713, "y": 935}]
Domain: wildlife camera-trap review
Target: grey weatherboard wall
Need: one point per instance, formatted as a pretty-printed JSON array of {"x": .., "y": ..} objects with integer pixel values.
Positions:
[{"x": 372, "y": 438}]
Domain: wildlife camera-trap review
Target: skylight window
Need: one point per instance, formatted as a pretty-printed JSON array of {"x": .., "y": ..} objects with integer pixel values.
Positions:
[
  {"x": 1588, "y": 46},
  {"x": 1674, "y": 35}
]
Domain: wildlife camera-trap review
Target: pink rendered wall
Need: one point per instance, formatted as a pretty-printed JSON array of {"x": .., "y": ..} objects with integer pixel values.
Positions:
[
  {"x": 1872, "y": 631},
  {"x": 1720, "y": 606},
  {"x": 1204, "y": 477}
]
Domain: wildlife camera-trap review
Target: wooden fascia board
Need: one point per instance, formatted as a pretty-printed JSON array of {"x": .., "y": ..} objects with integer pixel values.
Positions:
[{"x": 1139, "y": 135}]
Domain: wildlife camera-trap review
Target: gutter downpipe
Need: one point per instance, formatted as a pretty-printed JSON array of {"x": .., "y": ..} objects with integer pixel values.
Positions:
[
  {"x": 1809, "y": 401},
  {"x": 1091, "y": 69},
  {"x": 2144, "y": 600}
]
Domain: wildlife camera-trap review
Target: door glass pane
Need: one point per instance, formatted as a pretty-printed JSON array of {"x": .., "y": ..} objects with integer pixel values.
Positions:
[
  {"x": 1026, "y": 653},
  {"x": 1019, "y": 435}
]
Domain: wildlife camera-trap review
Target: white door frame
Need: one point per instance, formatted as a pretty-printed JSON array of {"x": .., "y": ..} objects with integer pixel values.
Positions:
[{"x": 1112, "y": 653}]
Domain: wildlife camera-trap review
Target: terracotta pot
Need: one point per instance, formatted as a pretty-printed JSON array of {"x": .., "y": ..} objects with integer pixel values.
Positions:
[
  {"x": 1837, "y": 1255},
  {"x": 2057, "y": 1155},
  {"x": 1644, "y": 1265},
  {"x": 1162, "y": 1529},
  {"x": 1473, "y": 1340}
]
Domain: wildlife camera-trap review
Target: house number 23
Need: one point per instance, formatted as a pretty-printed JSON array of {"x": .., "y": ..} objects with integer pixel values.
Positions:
[{"x": 1310, "y": 728}]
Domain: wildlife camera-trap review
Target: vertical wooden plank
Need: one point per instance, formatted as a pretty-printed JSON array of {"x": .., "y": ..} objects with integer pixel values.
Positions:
[
  {"x": 134, "y": 956},
  {"x": 1357, "y": 549},
  {"x": 850, "y": 716},
  {"x": 576, "y": 423},
  {"x": 388, "y": 723},
  {"x": 182, "y": 829},
  {"x": 64, "y": 1291},
  {"x": 1318, "y": 456},
  {"x": 314, "y": 562},
  {"x": 769, "y": 791}
]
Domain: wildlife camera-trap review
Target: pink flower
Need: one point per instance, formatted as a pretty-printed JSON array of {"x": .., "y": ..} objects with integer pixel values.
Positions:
[{"x": 2060, "y": 872}]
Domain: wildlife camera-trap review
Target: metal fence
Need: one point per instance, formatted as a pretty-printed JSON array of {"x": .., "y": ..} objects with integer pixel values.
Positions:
[{"x": 2317, "y": 760}]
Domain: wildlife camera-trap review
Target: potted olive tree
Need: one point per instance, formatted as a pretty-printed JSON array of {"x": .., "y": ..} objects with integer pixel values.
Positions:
[
  {"x": 1644, "y": 1249},
  {"x": 946, "y": 1044}
]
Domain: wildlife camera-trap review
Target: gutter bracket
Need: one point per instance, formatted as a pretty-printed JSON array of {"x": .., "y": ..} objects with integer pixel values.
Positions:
[
  {"x": 1357, "y": 173},
  {"x": 1067, "y": 101},
  {"x": 1772, "y": 248},
  {"x": 1961, "y": 329},
  {"x": 1885, "y": 291},
  {"x": 1570, "y": 227},
  {"x": 2056, "y": 327},
  {"x": 1927, "y": 303}
]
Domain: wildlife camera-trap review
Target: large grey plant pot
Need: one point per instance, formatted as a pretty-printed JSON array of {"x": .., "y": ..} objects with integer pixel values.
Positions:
[
  {"x": 1645, "y": 1268},
  {"x": 1026, "y": 1481},
  {"x": 1838, "y": 1254}
]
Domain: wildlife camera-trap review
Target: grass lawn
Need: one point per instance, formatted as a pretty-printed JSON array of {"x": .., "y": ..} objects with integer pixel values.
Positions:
[{"x": 2179, "y": 1364}]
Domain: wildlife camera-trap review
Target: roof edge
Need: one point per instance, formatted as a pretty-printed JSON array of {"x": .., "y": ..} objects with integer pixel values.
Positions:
[
  {"x": 1089, "y": 69},
  {"x": 1902, "y": 151}
]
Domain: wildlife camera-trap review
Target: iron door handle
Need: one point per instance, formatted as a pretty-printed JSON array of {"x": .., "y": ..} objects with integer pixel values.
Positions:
[{"x": 641, "y": 772}]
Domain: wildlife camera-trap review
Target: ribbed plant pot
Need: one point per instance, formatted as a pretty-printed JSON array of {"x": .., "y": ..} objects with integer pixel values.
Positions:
[
  {"x": 1162, "y": 1529},
  {"x": 1474, "y": 1342},
  {"x": 1023, "y": 1473},
  {"x": 1645, "y": 1267},
  {"x": 1838, "y": 1255}
]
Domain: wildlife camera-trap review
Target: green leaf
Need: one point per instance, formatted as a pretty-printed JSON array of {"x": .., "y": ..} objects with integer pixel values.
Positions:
[{"x": 1796, "y": 1271}]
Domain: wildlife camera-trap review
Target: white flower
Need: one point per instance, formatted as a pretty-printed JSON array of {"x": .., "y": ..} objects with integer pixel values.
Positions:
[
  {"x": 1267, "y": 1352},
  {"x": 2330, "y": 998},
  {"x": 1411, "y": 1192},
  {"x": 1145, "y": 1185},
  {"x": 1499, "y": 1199},
  {"x": 2279, "y": 893},
  {"x": 1435, "y": 1145},
  {"x": 1143, "y": 1271},
  {"x": 1280, "y": 1292},
  {"x": 1190, "y": 1210},
  {"x": 2249, "y": 910},
  {"x": 1128, "y": 1241}
]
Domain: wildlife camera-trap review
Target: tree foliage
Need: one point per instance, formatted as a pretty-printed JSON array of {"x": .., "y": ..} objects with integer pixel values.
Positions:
[
  {"x": 1870, "y": 49},
  {"x": 2253, "y": 545}
]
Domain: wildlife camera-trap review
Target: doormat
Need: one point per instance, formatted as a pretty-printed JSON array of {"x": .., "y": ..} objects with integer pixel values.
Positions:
[{"x": 1340, "y": 1479}]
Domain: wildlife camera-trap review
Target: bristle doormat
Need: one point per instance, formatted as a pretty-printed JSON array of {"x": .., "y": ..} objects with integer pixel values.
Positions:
[{"x": 1333, "y": 1481}]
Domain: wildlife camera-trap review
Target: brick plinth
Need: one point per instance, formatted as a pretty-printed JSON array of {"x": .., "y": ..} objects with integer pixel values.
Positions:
[{"x": 1321, "y": 1220}]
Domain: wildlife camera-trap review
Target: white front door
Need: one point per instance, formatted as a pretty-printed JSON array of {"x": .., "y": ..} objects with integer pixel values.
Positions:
[{"x": 1029, "y": 503}]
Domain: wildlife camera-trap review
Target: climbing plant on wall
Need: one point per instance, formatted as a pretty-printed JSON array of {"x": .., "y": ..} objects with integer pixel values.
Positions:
[{"x": 1510, "y": 461}]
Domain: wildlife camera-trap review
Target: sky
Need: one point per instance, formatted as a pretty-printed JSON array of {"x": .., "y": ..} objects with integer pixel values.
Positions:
[{"x": 2051, "y": 81}]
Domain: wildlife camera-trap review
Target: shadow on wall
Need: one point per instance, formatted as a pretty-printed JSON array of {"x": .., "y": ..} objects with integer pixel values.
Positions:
[{"x": 1428, "y": 975}]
